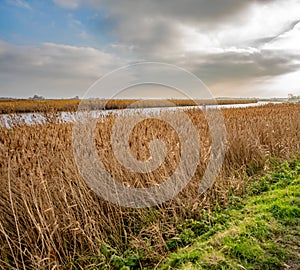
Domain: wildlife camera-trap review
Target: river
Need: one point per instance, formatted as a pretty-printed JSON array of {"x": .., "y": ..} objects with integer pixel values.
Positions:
[{"x": 40, "y": 118}]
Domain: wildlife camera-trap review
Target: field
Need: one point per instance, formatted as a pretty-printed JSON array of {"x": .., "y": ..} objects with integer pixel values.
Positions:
[
  {"x": 45, "y": 105},
  {"x": 51, "y": 219}
]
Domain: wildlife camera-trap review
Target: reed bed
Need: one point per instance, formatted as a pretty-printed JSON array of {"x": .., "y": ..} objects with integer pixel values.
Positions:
[
  {"x": 50, "y": 219},
  {"x": 46, "y": 105}
]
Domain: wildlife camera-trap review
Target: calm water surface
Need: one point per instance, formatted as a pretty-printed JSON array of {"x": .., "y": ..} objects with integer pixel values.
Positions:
[{"x": 63, "y": 117}]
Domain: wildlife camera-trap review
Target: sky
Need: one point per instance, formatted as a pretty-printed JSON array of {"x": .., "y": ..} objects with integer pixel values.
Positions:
[{"x": 238, "y": 48}]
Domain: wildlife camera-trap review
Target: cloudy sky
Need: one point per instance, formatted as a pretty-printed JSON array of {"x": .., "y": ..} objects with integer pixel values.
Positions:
[{"x": 239, "y": 48}]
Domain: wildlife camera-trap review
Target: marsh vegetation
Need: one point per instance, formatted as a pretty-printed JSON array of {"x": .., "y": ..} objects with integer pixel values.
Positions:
[{"x": 51, "y": 219}]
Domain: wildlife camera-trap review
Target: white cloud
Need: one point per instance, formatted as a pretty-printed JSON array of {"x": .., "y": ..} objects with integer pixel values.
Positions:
[
  {"x": 69, "y": 4},
  {"x": 52, "y": 69},
  {"x": 19, "y": 3},
  {"x": 289, "y": 40},
  {"x": 259, "y": 24},
  {"x": 252, "y": 27},
  {"x": 279, "y": 86}
]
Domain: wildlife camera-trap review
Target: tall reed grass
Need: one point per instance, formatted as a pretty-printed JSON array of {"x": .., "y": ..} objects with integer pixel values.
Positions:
[
  {"x": 46, "y": 105},
  {"x": 51, "y": 219}
]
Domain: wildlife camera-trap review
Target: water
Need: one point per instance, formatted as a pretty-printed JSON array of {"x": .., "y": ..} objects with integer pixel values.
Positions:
[{"x": 65, "y": 117}]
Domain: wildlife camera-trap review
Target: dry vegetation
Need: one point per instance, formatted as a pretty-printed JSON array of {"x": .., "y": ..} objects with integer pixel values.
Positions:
[
  {"x": 45, "y": 105},
  {"x": 51, "y": 219}
]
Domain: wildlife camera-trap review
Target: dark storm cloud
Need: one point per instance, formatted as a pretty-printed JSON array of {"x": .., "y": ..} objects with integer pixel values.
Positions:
[
  {"x": 236, "y": 66},
  {"x": 151, "y": 26},
  {"x": 191, "y": 11},
  {"x": 154, "y": 30},
  {"x": 258, "y": 64}
]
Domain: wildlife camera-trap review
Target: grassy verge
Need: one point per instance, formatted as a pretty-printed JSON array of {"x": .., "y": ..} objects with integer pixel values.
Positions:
[{"x": 261, "y": 231}]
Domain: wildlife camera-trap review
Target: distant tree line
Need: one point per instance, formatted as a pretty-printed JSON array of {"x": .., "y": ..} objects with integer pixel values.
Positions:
[
  {"x": 291, "y": 96},
  {"x": 36, "y": 97}
]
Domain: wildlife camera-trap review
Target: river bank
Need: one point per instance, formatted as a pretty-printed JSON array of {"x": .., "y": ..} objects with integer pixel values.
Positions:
[{"x": 65, "y": 117}]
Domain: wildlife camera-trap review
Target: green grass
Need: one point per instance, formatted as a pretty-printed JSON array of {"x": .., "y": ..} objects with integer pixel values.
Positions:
[{"x": 260, "y": 231}]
